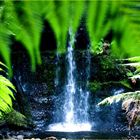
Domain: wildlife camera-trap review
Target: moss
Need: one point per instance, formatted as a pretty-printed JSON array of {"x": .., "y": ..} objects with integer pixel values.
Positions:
[
  {"x": 2, "y": 121},
  {"x": 16, "y": 118},
  {"x": 94, "y": 86},
  {"x": 106, "y": 68},
  {"x": 107, "y": 62}
]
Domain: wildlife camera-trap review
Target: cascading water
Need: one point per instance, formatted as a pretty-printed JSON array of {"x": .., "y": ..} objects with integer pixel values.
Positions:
[
  {"x": 56, "y": 81},
  {"x": 70, "y": 88},
  {"x": 76, "y": 98}
]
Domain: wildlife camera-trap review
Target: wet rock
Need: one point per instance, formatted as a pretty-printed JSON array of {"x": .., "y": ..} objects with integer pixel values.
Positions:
[
  {"x": 51, "y": 138},
  {"x": 35, "y": 139},
  {"x": 63, "y": 139},
  {"x": 132, "y": 112},
  {"x": 20, "y": 137},
  {"x": 15, "y": 118}
]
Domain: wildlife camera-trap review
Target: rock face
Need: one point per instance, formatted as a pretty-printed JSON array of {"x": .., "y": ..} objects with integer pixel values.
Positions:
[
  {"x": 36, "y": 89},
  {"x": 37, "y": 98},
  {"x": 132, "y": 111}
]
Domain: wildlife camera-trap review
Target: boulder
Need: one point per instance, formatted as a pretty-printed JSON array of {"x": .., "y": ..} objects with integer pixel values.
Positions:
[{"x": 132, "y": 112}]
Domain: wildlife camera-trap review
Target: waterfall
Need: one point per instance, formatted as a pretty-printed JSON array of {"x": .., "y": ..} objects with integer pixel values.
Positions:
[
  {"x": 56, "y": 80},
  {"x": 75, "y": 109},
  {"x": 70, "y": 88}
]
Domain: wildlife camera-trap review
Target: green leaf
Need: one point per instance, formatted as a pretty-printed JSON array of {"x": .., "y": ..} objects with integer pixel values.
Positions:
[
  {"x": 4, "y": 107},
  {"x": 3, "y": 65},
  {"x": 6, "y": 94},
  {"x": 134, "y": 59},
  {"x": 6, "y": 82},
  {"x": 5, "y": 97}
]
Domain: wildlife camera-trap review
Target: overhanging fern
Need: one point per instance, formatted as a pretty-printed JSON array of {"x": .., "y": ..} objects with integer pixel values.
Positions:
[{"x": 101, "y": 19}]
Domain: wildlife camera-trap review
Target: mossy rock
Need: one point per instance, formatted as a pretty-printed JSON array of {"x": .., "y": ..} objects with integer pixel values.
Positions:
[
  {"x": 15, "y": 118},
  {"x": 94, "y": 86},
  {"x": 106, "y": 86},
  {"x": 132, "y": 112}
]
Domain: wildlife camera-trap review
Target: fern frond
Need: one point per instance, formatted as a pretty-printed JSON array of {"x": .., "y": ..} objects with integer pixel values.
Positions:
[
  {"x": 24, "y": 21},
  {"x": 91, "y": 22},
  {"x": 76, "y": 10},
  {"x": 97, "y": 24},
  {"x": 6, "y": 94},
  {"x": 133, "y": 59},
  {"x": 34, "y": 19},
  {"x": 131, "y": 32},
  {"x": 6, "y": 82},
  {"x": 3, "y": 65},
  {"x": 4, "y": 107},
  {"x": 5, "y": 97},
  {"x": 120, "y": 97},
  {"x": 4, "y": 48}
]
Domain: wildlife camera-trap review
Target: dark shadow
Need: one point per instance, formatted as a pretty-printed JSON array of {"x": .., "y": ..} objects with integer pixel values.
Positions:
[
  {"x": 48, "y": 41},
  {"x": 82, "y": 39},
  {"x": 19, "y": 54},
  {"x": 109, "y": 36},
  {"x": 21, "y": 65}
]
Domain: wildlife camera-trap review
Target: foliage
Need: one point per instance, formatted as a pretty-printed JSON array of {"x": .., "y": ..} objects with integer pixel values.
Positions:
[
  {"x": 97, "y": 24},
  {"x": 126, "y": 84},
  {"x": 134, "y": 59},
  {"x": 64, "y": 17},
  {"x": 6, "y": 94},
  {"x": 133, "y": 62},
  {"x": 120, "y": 97},
  {"x": 95, "y": 86},
  {"x": 24, "y": 21}
]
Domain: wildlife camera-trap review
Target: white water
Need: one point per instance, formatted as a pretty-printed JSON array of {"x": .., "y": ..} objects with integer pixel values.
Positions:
[
  {"x": 70, "y": 88},
  {"x": 70, "y": 127},
  {"x": 76, "y": 99}
]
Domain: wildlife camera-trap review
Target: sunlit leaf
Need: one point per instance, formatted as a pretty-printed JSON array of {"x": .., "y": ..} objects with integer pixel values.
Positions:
[{"x": 6, "y": 82}]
